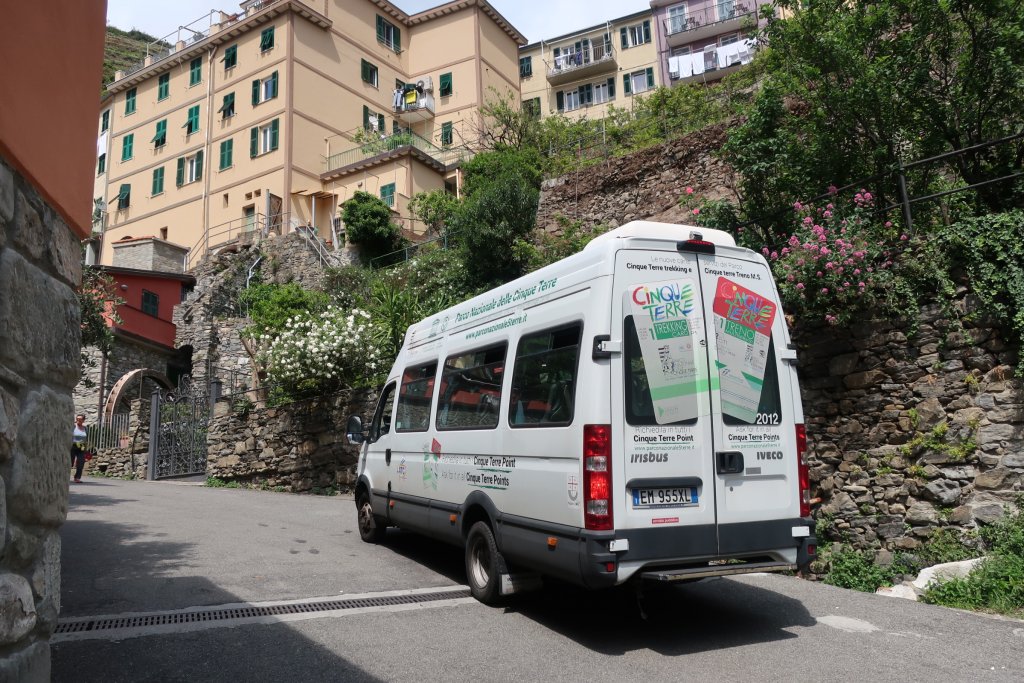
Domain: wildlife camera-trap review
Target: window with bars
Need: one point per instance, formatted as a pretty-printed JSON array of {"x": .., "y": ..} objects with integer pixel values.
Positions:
[
  {"x": 195, "y": 71},
  {"x": 389, "y": 34},
  {"x": 150, "y": 303},
  {"x": 264, "y": 89},
  {"x": 163, "y": 87}
]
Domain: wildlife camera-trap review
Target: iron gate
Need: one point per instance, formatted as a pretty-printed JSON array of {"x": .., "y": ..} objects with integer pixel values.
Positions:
[{"x": 178, "y": 423}]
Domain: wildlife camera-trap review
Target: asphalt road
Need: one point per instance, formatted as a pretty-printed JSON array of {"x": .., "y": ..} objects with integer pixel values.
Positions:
[{"x": 131, "y": 547}]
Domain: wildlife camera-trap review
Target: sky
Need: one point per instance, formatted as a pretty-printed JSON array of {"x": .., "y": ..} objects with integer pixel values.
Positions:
[{"x": 535, "y": 19}]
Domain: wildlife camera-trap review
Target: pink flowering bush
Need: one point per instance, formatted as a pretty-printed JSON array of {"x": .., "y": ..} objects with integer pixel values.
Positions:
[{"x": 839, "y": 260}]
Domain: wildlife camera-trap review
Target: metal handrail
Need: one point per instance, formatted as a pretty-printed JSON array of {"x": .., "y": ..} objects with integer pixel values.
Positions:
[
  {"x": 392, "y": 143},
  {"x": 231, "y": 231},
  {"x": 595, "y": 54},
  {"x": 705, "y": 16}
]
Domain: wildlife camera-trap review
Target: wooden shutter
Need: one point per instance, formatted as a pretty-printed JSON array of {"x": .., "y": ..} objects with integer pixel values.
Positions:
[
  {"x": 199, "y": 165},
  {"x": 179, "y": 178},
  {"x": 254, "y": 141},
  {"x": 380, "y": 123},
  {"x": 366, "y": 117},
  {"x": 626, "y": 86},
  {"x": 398, "y": 39},
  {"x": 650, "y": 77},
  {"x": 380, "y": 28},
  {"x": 625, "y": 38},
  {"x": 560, "y": 100},
  {"x": 256, "y": 91},
  {"x": 273, "y": 134},
  {"x": 273, "y": 84},
  {"x": 611, "y": 88},
  {"x": 647, "y": 31}
]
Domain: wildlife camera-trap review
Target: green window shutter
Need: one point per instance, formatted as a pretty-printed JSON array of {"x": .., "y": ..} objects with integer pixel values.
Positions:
[
  {"x": 105, "y": 121},
  {"x": 254, "y": 141},
  {"x": 256, "y": 92},
  {"x": 273, "y": 85},
  {"x": 398, "y": 39},
  {"x": 380, "y": 28},
  {"x": 267, "y": 39},
  {"x": 101, "y": 164},
  {"x": 273, "y": 134},
  {"x": 650, "y": 77},
  {"x": 590, "y": 93},
  {"x": 380, "y": 123},
  {"x": 160, "y": 139},
  {"x": 446, "y": 84},
  {"x": 193, "y": 119},
  {"x": 625, "y": 38},
  {"x": 626, "y": 87},
  {"x": 163, "y": 87},
  {"x": 199, "y": 165},
  {"x": 228, "y": 107},
  {"x": 158, "y": 180},
  {"x": 395, "y": 130},
  {"x": 126, "y": 147},
  {"x": 179, "y": 178},
  {"x": 446, "y": 133},
  {"x": 611, "y": 88},
  {"x": 124, "y": 196},
  {"x": 387, "y": 194},
  {"x": 366, "y": 117},
  {"x": 129, "y": 101},
  {"x": 647, "y": 31},
  {"x": 226, "y": 152},
  {"x": 195, "y": 75},
  {"x": 230, "y": 58},
  {"x": 560, "y": 101}
]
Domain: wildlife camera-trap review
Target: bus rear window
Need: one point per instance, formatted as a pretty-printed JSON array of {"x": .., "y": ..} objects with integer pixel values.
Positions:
[{"x": 639, "y": 399}]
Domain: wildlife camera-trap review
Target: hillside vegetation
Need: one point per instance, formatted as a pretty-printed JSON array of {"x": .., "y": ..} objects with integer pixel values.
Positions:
[{"x": 122, "y": 49}]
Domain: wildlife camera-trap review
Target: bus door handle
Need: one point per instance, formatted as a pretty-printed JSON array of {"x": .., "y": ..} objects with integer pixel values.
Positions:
[
  {"x": 387, "y": 457},
  {"x": 729, "y": 462}
]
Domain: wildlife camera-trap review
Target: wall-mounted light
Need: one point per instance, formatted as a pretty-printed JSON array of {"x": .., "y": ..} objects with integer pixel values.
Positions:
[{"x": 124, "y": 288}]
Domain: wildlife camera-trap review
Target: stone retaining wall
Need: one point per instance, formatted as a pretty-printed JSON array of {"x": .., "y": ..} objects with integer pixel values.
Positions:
[
  {"x": 911, "y": 430},
  {"x": 40, "y": 263},
  {"x": 298, "y": 447}
]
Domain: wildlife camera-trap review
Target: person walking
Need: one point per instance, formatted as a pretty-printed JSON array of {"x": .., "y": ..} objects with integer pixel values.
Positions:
[{"x": 78, "y": 437}]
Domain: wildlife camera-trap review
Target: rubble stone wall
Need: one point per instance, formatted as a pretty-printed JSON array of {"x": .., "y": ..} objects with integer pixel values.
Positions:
[{"x": 40, "y": 264}]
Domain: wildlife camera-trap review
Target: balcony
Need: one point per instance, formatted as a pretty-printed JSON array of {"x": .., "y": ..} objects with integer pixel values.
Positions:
[
  {"x": 711, "y": 63},
  {"x": 709, "y": 21},
  {"x": 388, "y": 148},
  {"x": 413, "y": 106},
  {"x": 594, "y": 59}
]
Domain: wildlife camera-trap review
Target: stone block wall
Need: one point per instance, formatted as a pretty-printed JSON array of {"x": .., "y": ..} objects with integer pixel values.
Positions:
[
  {"x": 150, "y": 253},
  {"x": 298, "y": 447},
  {"x": 40, "y": 264},
  {"x": 911, "y": 430},
  {"x": 125, "y": 357}
]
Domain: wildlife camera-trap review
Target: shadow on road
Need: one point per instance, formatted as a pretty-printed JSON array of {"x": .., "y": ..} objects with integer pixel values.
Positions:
[
  {"x": 446, "y": 560},
  {"x": 116, "y": 568}
]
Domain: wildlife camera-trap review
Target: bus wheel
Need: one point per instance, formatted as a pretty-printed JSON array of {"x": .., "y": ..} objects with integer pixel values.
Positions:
[
  {"x": 371, "y": 527},
  {"x": 483, "y": 564}
]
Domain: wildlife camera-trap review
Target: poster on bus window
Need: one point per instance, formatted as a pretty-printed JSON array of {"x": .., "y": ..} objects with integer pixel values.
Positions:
[
  {"x": 743, "y": 329},
  {"x": 666, "y": 316}
]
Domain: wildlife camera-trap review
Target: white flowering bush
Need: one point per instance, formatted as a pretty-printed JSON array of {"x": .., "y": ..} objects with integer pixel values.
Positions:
[{"x": 323, "y": 352}]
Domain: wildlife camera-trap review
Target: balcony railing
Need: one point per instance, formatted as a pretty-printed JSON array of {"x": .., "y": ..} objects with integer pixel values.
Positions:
[
  {"x": 595, "y": 53},
  {"x": 707, "y": 16},
  {"x": 394, "y": 143},
  {"x": 254, "y": 226}
]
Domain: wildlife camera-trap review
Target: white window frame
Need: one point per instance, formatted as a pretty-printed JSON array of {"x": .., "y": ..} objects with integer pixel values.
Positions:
[
  {"x": 728, "y": 39},
  {"x": 191, "y": 169},
  {"x": 635, "y": 35},
  {"x": 677, "y": 18},
  {"x": 389, "y": 36},
  {"x": 572, "y": 100},
  {"x": 265, "y": 139},
  {"x": 638, "y": 77},
  {"x": 601, "y": 94}
]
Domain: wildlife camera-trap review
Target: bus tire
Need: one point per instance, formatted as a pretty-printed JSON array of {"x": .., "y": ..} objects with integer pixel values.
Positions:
[
  {"x": 372, "y": 528},
  {"x": 483, "y": 564}
]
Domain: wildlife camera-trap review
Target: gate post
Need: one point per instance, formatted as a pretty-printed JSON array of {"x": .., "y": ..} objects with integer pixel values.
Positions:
[{"x": 154, "y": 434}]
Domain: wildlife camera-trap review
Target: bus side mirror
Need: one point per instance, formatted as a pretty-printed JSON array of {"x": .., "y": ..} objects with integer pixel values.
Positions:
[{"x": 354, "y": 430}]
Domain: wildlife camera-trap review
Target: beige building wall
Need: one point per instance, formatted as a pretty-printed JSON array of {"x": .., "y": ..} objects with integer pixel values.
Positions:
[
  {"x": 588, "y": 86},
  {"x": 319, "y": 112}
]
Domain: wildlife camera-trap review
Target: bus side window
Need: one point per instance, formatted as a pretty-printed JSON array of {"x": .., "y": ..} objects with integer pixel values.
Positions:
[
  {"x": 382, "y": 417},
  {"x": 544, "y": 379}
]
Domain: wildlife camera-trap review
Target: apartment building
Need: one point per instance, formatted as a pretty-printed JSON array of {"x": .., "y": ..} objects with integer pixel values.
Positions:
[
  {"x": 704, "y": 40},
  {"x": 583, "y": 72},
  {"x": 270, "y": 118}
]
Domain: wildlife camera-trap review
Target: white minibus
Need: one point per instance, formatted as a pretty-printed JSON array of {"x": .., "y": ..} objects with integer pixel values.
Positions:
[{"x": 630, "y": 412}]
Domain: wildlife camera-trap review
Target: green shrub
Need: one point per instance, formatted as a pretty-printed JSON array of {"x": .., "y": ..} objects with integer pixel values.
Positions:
[{"x": 855, "y": 569}]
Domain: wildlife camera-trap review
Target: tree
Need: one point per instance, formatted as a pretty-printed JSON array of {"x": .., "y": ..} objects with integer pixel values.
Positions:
[
  {"x": 500, "y": 211},
  {"x": 434, "y": 209},
  {"x": 505, "y": 122},
  {"x": 368, "y": 223},
  {"x": 98, "y": 301},
  {"x": 867, "y": 84}
]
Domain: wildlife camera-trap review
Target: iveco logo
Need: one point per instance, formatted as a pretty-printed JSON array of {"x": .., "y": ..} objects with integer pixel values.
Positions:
[{"x": 769, "y": 455}]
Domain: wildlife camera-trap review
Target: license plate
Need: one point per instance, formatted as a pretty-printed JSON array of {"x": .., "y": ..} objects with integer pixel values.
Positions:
[{"x": 664, "y": 498}]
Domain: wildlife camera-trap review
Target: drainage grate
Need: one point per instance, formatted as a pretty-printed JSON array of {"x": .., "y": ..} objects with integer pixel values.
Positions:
[{"x": 218, "y": 614}]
